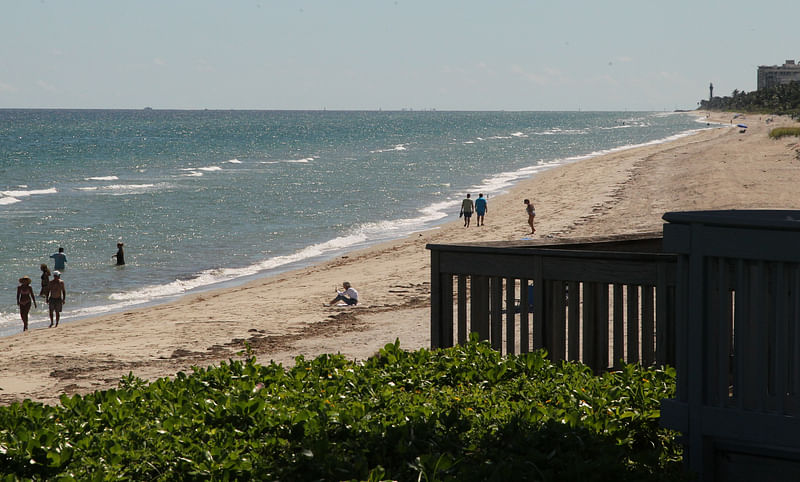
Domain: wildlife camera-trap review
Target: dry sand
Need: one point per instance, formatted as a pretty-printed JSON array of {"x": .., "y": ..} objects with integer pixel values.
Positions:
[{"x": 284, "y": 316}]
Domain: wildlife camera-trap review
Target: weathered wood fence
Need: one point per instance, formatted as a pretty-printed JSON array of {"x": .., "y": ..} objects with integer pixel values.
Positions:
[
  {"x": 738, "y": 338},
  {"x": 599, "y": 301}
]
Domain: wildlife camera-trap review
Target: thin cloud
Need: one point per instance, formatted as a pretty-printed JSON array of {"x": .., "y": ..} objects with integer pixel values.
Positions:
[
  {"x": 8, "y": 88},
  {"x": 45, "y": 86},
  {"x": 202, "y": 65},
  {"x": 545, "y": 76}
]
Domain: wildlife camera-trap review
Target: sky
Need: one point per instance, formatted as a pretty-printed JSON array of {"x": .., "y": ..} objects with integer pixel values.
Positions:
[{"x": 532, "y": 55}]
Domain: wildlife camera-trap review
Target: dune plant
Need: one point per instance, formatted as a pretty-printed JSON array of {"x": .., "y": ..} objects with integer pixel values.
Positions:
[
  {"x": 779, "y": 132},
  {"x": 463, "y": 413}
]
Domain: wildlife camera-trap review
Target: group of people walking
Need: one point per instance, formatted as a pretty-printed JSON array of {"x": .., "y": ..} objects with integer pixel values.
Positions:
[
  {"x": 480, "y": 207},
  {"x": 53, "y": 291}
]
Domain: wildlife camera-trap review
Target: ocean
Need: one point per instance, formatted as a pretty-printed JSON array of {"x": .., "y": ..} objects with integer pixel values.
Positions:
[{"x": 204, "y": 199}]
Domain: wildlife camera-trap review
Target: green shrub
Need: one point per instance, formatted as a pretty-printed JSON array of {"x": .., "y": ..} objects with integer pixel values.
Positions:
[
  {"x": 464, "y": 413},
  {"x": 779, "y": 132}
]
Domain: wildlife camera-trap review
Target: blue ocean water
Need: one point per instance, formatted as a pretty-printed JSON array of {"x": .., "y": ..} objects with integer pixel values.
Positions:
[{"x": 207, "y": 197}]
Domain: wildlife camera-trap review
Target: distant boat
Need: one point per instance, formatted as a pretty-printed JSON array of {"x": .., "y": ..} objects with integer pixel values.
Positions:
[{"x": 148, "y": 108}]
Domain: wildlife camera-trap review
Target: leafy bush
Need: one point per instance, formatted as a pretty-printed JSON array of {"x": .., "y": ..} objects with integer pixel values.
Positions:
[
  {"x": 464, "y": 413},
  {"x": 779, "y": 132}
]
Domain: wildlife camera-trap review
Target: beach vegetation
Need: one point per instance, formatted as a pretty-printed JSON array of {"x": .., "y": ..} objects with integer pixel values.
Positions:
[
  {"x": 779, "y": 100},
  {"x": 779, "y": 132},
  {"x": 462, "y": 413}
]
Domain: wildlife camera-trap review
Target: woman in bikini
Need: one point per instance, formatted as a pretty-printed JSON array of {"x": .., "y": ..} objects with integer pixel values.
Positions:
[
  {"x": 531, "y": 214},
  {"x": 24, "y": 298},
  {"x": 45, "y": 281}
]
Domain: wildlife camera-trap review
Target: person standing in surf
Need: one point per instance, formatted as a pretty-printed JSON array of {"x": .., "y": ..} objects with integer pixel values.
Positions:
[
  {"x": 59, "y": 260},
  {"x": 531, "y": 212},
  {"x": 467, "y": 206},
  {"x": 56, "y": 297},
  {"x": 120, "y": 256},
  {"x": 24, "y": 298},
  {"x": 480, "y": 208},
  {"x": 45, "y": 281}
]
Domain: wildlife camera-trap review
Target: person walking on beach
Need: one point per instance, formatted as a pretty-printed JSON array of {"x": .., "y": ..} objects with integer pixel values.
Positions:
[
  {"x": 480, "y": 208},
  {"x": 349, "y": 295},
  {"x": 24, "y": 298},
  {"x": 531, "y": 214},
  {"x": 120, "y": 256},
  {"x": 45, "y": 281},
  {"x": 60, "y": 260},
  {"x": 467, "y": 206},
  {"x": 57, "y": 295}
]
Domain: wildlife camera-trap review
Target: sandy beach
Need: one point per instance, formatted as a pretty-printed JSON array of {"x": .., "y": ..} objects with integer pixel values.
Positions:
[{"x": 284, "y": 316}]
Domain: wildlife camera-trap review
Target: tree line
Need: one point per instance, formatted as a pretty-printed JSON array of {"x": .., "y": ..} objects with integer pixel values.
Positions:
[{"x": 778, "y": 100}]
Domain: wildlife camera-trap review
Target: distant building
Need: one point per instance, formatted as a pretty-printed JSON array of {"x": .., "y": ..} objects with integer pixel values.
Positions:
[{"x": 772, "y": 75}]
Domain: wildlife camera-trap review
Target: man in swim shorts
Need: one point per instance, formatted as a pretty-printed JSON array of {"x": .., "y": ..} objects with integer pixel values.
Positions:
[
  {"x": 57, "y": 297},
  {"x": 467, "y": 206},
  {"x": 480, "y": 208}
]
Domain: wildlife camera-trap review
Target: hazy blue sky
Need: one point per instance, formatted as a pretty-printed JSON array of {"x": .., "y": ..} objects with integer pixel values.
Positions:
[{"x": 340, "y": 54}]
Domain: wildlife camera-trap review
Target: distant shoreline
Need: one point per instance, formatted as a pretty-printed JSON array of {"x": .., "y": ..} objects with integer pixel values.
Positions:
[
  {"x": 282, "y": 316},
  {"x": 230, "y": 276}
]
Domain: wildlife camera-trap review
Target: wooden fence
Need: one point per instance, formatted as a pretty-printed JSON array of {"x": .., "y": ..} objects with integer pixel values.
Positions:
[
  {"x": 599, "y": 301},
  {"x": 738, "y": 337}
]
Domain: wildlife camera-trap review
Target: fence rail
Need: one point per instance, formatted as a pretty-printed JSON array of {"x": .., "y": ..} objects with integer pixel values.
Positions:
[
  {"x": 600, "y": 301},
  {"x": 737, "y": 397}
]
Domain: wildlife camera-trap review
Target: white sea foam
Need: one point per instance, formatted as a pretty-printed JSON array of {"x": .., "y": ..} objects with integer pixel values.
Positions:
[
  {"x": 358, "y": 236},
  {"x": 447, "y": 198},
  {"x": 559, "y": 131},
  {"x": 304, "y": 160},
  {"x": 499, "y": 183},
  {"x": 126, "y": 187},
  {"x": 28, "y": 192},
  {"x": 220, "y": 275},
  {"x": 102, "y": 178},
  {"x": 234, "y": 161},
  {"x": 13, "y": 197},
  {"x": 397, "y": 147},
  {"x": 209, "y": 168},
  {"x": 122, "y": 189}
]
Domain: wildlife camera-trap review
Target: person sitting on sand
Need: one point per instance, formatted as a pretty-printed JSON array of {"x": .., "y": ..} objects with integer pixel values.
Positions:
[
  {"x": 57, "y": 297},
  {"x": 349, "y": 295},
  {"x": 24, "y": 297}
]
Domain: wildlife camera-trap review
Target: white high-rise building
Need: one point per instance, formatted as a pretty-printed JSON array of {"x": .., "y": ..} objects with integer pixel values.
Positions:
[{"x": 772, "y": 75}]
